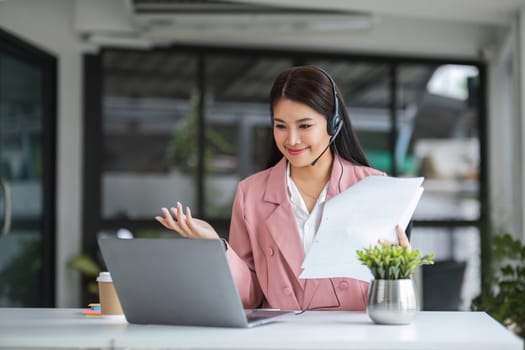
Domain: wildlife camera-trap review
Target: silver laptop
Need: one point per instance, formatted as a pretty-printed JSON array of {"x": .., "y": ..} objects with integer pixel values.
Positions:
[{"x": 178, "y": 282}]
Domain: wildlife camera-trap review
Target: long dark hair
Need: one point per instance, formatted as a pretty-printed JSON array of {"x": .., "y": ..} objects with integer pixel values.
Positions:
[{"x": 310, "y": 86}]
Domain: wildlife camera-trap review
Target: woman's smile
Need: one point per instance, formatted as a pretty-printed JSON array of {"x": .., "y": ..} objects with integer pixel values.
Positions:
[{"x": 296, "y": 151}]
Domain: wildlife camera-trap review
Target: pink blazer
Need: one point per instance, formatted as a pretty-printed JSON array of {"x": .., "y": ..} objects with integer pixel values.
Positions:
[{"x": 265, "y": 251}]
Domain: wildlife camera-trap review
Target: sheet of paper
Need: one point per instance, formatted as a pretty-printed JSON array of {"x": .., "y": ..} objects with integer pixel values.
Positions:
[{"x": 357, "y": 218}]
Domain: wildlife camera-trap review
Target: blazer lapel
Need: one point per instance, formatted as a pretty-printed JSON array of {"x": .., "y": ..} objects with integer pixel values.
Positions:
[{"x": 281, "y": 223}]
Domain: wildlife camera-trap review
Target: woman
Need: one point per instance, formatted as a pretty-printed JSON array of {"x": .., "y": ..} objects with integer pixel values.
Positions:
[{"x": 276, "y": 212}]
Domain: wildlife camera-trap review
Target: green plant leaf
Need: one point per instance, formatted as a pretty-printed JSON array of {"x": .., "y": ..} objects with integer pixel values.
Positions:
[
  {"x": 390, "y": 261},
  {"x": 504, "y": 296},
  {"x": 84, "y": 264}
]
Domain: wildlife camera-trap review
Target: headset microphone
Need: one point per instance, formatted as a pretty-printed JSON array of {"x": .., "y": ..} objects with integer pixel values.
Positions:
[{"x": 332, "y": 139}]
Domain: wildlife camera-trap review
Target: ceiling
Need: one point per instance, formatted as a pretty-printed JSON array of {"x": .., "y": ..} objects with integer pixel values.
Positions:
[
  {"x": 447, "y": 28},
  {"x": 475, "y": 11},
  {"x": 478, "y": 11}
]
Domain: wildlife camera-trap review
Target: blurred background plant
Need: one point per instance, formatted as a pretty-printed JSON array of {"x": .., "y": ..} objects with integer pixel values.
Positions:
[
  {"x": 89, "y": 269},
  {"x": 503, "y": 297},
  {"x": 183, "y": 146}
]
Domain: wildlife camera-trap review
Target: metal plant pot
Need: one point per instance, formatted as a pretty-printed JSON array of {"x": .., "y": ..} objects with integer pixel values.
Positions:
[{"x": 392, "y": 301}]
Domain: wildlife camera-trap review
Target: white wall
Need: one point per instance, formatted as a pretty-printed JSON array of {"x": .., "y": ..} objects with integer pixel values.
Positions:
[
  {"x": 50, "y": 24},
  {"x": 521, "y": 114},
  {"x": 389, "y": 36},
  {"x": 504, "y": 131}
]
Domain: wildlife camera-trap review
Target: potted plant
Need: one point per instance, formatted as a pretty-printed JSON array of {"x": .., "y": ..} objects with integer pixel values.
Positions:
[{"x": 391, "y": 295}]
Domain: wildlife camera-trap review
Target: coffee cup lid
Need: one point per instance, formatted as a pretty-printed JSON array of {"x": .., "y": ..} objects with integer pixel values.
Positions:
[{"x": 104, "y": 277}]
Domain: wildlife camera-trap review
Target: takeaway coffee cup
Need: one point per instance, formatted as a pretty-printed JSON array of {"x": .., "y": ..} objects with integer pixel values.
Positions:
[{"x": 109, "y": 303}]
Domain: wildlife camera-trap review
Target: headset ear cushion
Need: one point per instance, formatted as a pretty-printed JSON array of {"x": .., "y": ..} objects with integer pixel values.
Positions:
[{"x": 334, "y": 124}]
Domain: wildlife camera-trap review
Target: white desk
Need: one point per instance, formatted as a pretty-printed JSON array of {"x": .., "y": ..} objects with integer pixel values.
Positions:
[{"x": 68, "y": 328}]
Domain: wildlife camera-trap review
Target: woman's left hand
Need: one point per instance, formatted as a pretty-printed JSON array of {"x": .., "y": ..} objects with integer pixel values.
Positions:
[{"x": 402, "y": 238}]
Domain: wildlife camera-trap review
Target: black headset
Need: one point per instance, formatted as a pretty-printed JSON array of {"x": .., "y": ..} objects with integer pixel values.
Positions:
[{"x": 335, "y": 122}]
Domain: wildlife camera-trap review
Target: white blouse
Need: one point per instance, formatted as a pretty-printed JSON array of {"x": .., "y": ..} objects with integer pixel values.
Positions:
[{"x": 307, "y": 223}]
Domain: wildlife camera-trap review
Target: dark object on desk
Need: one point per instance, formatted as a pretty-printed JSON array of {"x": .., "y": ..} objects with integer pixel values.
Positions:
[
  {"x": 408, "y": 230},
  {"x": 178, "y": 281},
  {"x": 442, "y": 284}
]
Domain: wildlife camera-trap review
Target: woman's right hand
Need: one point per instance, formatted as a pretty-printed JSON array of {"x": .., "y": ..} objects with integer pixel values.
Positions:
[{"x": 185, "y": 224}]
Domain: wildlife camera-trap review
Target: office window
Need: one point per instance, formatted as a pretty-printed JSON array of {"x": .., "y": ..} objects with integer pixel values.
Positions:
[
  {"x": 439, "y": 140},
  {"x": 149, "y": 114},
  {"x": 27, "y": 174}
]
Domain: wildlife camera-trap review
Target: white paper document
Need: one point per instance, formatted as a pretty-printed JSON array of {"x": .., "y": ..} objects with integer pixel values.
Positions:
[{"x": 357, "y": 218}]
